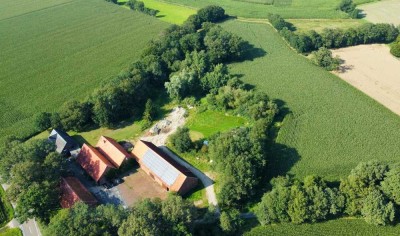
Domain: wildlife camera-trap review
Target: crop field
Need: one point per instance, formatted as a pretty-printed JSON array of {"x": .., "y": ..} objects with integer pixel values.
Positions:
[
  {"x": 341, "y": 227},
  {"x": 58, "y": 50},
  {"x": 305, "y": 25},
  {"x": 331, "y": 126},
  {"x": 386, "y": 11},
  {"x": 303, "y": 9}
]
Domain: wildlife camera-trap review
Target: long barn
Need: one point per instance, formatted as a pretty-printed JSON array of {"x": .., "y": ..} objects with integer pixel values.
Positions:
[{"x": 163, "y": 169}]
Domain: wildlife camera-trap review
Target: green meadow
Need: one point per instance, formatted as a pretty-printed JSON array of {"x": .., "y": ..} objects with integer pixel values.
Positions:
[
  {"x": 330, "y": 126},
  {"x": 303, "y": 9},
  {"x": 55, "y": 51}
]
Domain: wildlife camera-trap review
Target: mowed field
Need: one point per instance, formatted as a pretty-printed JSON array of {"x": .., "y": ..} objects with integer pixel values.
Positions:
[
  {"x": 305, "y": 25},
  {"x": 305, "y": 9},
  {"x": 331, "y": 126},
  {"x": 384, "y": 11},
  {"x": 340, "y": 227},
  {"x": 55, "y": 51},
  {"x": 373, "y": 70}
]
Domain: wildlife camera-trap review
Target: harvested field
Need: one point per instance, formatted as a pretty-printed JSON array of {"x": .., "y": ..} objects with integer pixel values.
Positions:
[
  {"x": 373, "y": 70},
  {"x": 386, "y": 11},
  {"x": 138, "y": 186}
]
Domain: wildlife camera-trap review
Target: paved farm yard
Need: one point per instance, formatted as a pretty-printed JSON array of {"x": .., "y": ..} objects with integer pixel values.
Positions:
[
  {"x": 386, "y": 11},
  {"x": 138, "y": 186},
  {"x": 373, "y": 70}
]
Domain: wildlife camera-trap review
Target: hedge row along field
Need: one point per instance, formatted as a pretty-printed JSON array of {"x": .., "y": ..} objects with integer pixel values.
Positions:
[
  {"x": 331, "y": 126},
  {"x": 304, "y": 9},
  {"x": 54, "y": 51}
]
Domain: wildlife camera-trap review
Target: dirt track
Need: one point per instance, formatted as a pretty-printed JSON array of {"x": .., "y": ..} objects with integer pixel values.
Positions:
[{"x": 374, "y": 71}]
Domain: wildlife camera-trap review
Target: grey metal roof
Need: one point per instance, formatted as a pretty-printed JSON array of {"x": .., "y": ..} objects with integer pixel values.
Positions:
[{"x": 160, "y": 167}]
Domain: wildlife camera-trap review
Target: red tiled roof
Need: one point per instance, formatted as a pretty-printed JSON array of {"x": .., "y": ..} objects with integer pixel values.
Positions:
[
  {"x": 72, "y": 191},
  {"x": 93, "y": 162},
  {"x": 112, "y": 150}
]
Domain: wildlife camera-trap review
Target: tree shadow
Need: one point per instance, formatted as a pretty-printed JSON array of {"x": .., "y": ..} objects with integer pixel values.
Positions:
[
  {"x": 81, "y": 140},
  {"x": 344, "y": 68},
  {"x": 251, "y": 52},
  {"x": 160, "y": 16}
]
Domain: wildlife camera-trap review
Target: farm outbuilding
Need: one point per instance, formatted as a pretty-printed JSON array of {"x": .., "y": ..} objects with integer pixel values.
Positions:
[
  {"x": 64, "y": 143},
  {"x": 94, "y": 163},
  {"x": 163, "y": 169},
  {"x": 112, "y": 150},
  {"x": 72, "y": 191}
]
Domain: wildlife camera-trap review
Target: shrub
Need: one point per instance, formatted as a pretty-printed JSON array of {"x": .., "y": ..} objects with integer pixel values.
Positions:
[
  {"x": 377, "y": 209},
  {"x": 395, "y": 49},
  {"x": 43, "y": 121},
  {"x": 323, "y": 57},
  {"x": 181, "y": 140}
]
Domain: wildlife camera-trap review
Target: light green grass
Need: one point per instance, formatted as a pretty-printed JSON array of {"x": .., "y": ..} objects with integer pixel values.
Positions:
[
  {"x": 332, "y": 126},
  {"x": 305, "y": 25},
  {"x": 11, "y": 232},
  {"x": 204, "y": 124},
  {"x": 55, "y": 51},
  {"x": 304, "y": 9},
  {"x": 341, "y": 227}
]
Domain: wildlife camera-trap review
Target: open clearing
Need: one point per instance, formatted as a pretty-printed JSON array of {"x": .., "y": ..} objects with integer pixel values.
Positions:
[
  {"x": 385, "y": 11},
  {"x": 331, "y": 126},
  {"x": 138, "y": 186},
  {"x": 305, "y": 25},
  {"x": 373, "y": 70},
  {"x": 54, "y": 51}
]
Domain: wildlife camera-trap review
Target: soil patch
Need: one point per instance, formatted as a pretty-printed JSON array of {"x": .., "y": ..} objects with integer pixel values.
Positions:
[
  {"x": 383, "y": 12},
  {"x": 373, "y": 70}
]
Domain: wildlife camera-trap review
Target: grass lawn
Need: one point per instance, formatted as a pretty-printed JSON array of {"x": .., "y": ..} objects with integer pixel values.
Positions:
[
  {"x": 171, "y": 13},
  {"x": 11, "y": 232},
  {"x": 54, "y": 51},
  {"x": 305, "y": 25},
  {"x": 331, "y": 126},
  {"x": 340, "y": 227},
  {"x": 204, "y": 124},
  {"x": 303, "y": 9}
]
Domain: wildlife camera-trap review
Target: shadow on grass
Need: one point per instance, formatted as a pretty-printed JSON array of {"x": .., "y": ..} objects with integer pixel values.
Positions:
[{"x": 81, "y": 140}]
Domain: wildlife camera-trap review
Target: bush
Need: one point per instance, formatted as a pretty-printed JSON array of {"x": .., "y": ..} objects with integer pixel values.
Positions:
[
  {"x": 181, "y": 140},
  {"x": 211, "y": 14},
  {"x": 347, "y": 6},
  {"x": 323, "y": 57},
  {"x": 377, "y": 209},
  {"x": 395, "y": 49}
]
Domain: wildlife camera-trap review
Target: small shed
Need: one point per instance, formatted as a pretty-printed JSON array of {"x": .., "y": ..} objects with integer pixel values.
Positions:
[{"x": 64, "y": 143}]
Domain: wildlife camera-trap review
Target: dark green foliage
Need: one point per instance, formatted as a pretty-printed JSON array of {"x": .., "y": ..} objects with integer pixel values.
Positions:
[
  {"x": 181, "y": 84},
  {"x": 361, "y": 181},
  {"x": 249, "y": 103},
  {"x": 139, "y": 6},
  {"x": 148, "y": 114},
  {"x": 173, "y": 216},
  {"x": 391, "y": 184},
  {"x": 310, "y": 201},
  {"x": 336, "y": 38},
  {"x": 84, "y": 220},
  {"x": 112, "y": 1},
  {"x": 55, "y": 121},
  {"x": 215, "y": 79},
  {"x": 230, "y": 221},
  {"x": 6, "y": 209},
  {"x": 222, "y": 45},
  {"x": 35, "y": 192},
  {"x": 395, "y": 49},
  {"x": 211, "y": 14},
  {"x": 239, "y": 160},
  {"x": 377, "y": 209},
  {"x": 181, "y": 140},
  {"x": 43, "y": 121},
  {"x": 278, "y": 22},
  {"x": 347, "y": 6},
  {"x": 323, "y": 58},
  {"x": 75, "y": 115}
]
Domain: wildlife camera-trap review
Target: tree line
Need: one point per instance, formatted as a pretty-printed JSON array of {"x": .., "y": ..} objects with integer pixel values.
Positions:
[
  {"x": 334, "y": 38},
  {"x": 182, "y": 56},
  {"x": 371, "y": 191}
]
